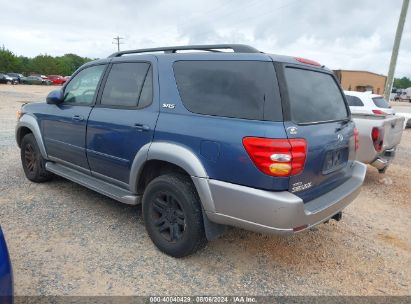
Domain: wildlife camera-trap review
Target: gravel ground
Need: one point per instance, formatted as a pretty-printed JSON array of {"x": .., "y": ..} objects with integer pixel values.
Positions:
[{"x": 67, "y": 240}]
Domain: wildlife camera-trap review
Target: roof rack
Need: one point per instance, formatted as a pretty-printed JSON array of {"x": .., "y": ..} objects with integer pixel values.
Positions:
[{"x": 237, "y": 48}]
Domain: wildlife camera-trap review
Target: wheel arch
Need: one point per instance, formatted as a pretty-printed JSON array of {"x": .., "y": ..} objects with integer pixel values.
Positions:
[
  {"x": 28, "y": 124},
  {"x": 165, "y": 156}
]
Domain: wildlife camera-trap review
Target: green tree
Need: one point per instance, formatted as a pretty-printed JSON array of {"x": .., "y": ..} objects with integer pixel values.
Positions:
[
  {"x": 68, "y": 63},
  {"x": 402, "y": 83},
  {"x": 24, "y": 64},
  {"x": 8, "y": 61},
  {"x": 44, "y": 64},
  {"x": 41, "y": 64}
]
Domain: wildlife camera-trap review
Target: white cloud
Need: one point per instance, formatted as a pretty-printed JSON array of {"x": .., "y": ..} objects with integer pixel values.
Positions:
[{"x": 349, "y": 34}]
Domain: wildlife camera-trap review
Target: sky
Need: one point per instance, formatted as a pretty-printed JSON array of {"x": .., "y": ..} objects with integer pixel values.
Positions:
[{"x": 341, "y": 34}]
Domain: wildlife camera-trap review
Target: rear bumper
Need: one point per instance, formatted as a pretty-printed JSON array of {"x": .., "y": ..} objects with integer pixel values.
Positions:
[
  {"x": 383, "y": 160},
  {"x": 279, "y": 212}
]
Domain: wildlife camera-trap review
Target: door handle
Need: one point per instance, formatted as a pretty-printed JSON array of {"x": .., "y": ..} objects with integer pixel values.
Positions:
[
  {"x": 141, "y": 127},
  {"x": 78, "y": 118}
]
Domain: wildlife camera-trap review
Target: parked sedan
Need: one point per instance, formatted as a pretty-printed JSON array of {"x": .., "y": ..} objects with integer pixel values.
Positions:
[
  {"x": 4, "y": 78},
  {"x": 56, "y": 79},
  {"x": 6, "y": 274},
  {"x": 35, "y": 80},
  {"x": 16, "y": 75}
]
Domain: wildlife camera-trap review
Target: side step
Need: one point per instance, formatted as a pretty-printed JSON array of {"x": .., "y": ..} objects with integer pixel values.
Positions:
[{"x": 95, "y": 184}]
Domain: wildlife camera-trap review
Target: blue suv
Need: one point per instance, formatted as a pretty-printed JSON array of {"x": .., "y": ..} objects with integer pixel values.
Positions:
[
  {"x": 6, "y": 273},
  {"x": 203, "y": 139}
]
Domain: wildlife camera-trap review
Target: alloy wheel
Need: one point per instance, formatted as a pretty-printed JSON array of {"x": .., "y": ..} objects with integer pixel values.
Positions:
[{"x": 168, "y": 217}]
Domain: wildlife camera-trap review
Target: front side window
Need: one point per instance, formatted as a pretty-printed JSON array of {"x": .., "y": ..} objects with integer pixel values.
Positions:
[
  {"x": 127, "y": 83},
  {"x": 82, "y": 88},
  {"x": 314, "y": 96}
]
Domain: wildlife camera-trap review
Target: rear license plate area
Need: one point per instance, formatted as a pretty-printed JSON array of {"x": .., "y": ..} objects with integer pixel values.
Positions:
[{"x": 335, "y": 160}]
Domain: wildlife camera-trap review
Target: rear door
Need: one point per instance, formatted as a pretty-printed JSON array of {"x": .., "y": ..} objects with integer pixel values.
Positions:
[
  {"x": 316, "y": 111},
  {"x": 357, "y": 105},
  {"x": 122, "y": 121}
]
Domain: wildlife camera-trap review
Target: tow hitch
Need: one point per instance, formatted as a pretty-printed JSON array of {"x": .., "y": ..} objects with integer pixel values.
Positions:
[{"x": 336, "y": 217}]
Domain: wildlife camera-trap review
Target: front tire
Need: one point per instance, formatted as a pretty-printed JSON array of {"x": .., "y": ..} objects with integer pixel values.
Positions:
[
  {"x": 173, "y": 216},
  {"x": 33, "y": 163}
]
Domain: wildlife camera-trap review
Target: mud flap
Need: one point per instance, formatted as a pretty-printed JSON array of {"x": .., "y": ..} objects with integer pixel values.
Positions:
[{"x": 212, "y": 230}]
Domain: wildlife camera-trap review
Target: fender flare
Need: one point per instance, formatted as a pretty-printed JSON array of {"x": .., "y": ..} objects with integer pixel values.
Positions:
[
  {"x": 179, "y": 156},
  {"x": 31, "y": 123}
]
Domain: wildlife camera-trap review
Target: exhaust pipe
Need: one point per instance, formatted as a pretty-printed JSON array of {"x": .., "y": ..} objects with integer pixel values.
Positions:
[{"x": 337, "y": 217}]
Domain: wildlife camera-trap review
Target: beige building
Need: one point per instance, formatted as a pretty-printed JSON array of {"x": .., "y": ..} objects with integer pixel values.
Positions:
[{"x": 361, "y": 81}]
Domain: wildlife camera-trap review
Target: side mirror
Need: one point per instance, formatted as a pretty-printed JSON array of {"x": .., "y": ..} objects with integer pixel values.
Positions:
[{"x": 55, "y": 97}]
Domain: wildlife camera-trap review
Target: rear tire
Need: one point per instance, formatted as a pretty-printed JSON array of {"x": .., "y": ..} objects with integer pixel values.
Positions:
[
  {"x": 173, "y": 216},
  {"x": 34, "y": 165}
]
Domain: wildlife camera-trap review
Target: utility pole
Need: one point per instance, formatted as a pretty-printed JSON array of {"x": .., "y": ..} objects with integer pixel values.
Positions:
[
  {"x": 394, "y": 55},
  {"x": 118, "y": 42}
]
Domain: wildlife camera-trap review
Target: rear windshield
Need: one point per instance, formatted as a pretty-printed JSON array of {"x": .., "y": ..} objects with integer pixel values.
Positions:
[
  {"x": 314, "y": 97},
  {"x": 381, "y": 102},
  {"x": 238, "y": 89}
]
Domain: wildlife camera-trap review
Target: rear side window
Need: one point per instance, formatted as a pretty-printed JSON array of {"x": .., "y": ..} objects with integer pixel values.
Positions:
[
  {"x": 314, "y": 96},
  {"x": 354, "y": 101},
  {"x": 125, "y": 84},
  {"x": 146, "y": 95},
  {"x": 381, "y": 102},
  {"x": 236, "y": 89}
]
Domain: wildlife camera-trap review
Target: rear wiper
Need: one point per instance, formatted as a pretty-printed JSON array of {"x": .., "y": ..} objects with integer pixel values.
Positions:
[{"x": 343, "y": 124}]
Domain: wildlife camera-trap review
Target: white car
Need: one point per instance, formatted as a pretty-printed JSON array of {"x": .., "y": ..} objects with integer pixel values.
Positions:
[{"x": 366, "y": 103}]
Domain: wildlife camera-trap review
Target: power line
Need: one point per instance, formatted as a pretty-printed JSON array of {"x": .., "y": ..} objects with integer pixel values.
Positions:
[{"x": 118, "y": 42}]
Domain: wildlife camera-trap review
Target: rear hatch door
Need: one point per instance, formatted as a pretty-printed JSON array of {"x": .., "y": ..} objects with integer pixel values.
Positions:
[
  {"x": 315, "y": 109},
  {"x": 382, "y": 105}
]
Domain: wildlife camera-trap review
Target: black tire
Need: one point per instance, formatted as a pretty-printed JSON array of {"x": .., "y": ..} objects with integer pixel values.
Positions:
[
  {"x": 173, "y": 216},
  {"x": 32, "y": 161}
]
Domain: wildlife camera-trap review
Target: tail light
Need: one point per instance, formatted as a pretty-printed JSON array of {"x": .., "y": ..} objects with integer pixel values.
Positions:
[
  {"x": 356, "y": 139},
  {"x": 377, "y": 138},
  {"x": 307, "y": 61},
  {"x": 379, "y": 112},
  {"x": 277, "y": 157}
]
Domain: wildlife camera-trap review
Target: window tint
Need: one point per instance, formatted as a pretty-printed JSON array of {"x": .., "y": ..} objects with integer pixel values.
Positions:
[
  {"x": 124, "y": 84},
  {"x": 226, "y": 88},
  {"x": 354, "y": 101},
  {"x": 381, "y": 102},
  {"x": 81, "y": 89},
  {"x": 314, "y": 96},
  {"x": 146, "y": 96}
]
